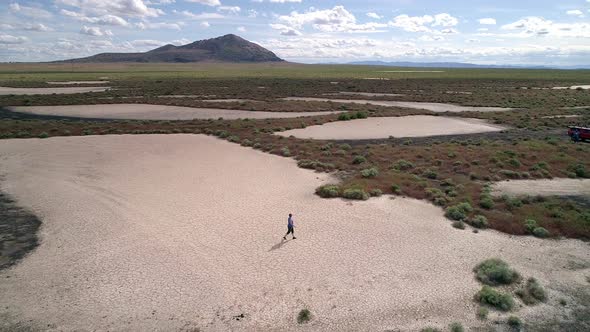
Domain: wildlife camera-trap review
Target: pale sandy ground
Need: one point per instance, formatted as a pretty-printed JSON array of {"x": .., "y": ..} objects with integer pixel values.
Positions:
[
  {"x": 49, "y": 91},
  {"x": 411, "y": 71},
  {"x": 434, "y": 107},
  {"x": 367, "y": 94},
  {"x": 154, "y": 112},
  {"x": 573, "y": 87},
  {"x": 161, "y": 233},
  {"x": 78, "y": 82},
  {"x": 561, "y": 116},
  {"x": 545, "y": 187},
  {"x": 383, "y": 127}
]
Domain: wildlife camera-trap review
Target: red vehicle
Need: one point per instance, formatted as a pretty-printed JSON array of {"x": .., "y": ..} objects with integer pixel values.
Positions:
[{"x": 583, "y": 133}]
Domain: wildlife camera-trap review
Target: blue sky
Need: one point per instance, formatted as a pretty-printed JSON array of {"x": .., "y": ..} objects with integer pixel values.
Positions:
[{"x": 503, "y": 32}]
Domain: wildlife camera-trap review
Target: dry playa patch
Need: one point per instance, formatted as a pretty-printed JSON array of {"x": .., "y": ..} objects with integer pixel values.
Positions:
[
  {"x": 384, "y": 127},
  {"x": 154, "y": 112},
  {"x": 49, "y": 91},
  {"x": 152, "y": 232},
  {"x": 434, "y": 107},
  {"x": 77, "y": 82},
  {"x": 546, "y": 187}
]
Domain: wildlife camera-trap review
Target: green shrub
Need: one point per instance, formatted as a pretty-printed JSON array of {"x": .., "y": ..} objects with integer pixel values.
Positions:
[
  {"x": 459, "y": 211},
  {"x": 285, "y": 152},
  {"x": 530, "y": 225},
  {"x": 514, "y": 322},
  {"x": 234, "y": 139},
  {"x": 375, "y": 192},
  {"x": 328, "y": 191},
  {"x": 314, "y": 164},
  {"x": 357, "y": 194},
  {"x": 369, "y": 172},
  {"x": 482, "y": 313},
  {"x": 479, "y": 221},
  {"x": 454, "y": 213},
  {"x": 304, "y": 316},
  {"x": 396, "y": 189},
  {"x": 430, "y": 329},
  {"x": 514, "y": 162},
  {"x": 456, "y": 327},
  {"x": 580, "y": 171},
  {"x": 532, "y": 292},
  {"x": 359, "y": 160},
  {"x": 489, "y": 296},
  {"x": 495, "y": 272},
  {"x": 43, "y": 135},
  {"x": 430, "y": 174},
  {"x": 344, "y": 117},
  {"x": 541, "y": 232},
  {"x": 486, "y": 202},
  {"x": 459, "y": 224},
  {"x": 345, "y": 147},
  {"x": 361, "y": 115},
  {"x": 403, "y": 165}
]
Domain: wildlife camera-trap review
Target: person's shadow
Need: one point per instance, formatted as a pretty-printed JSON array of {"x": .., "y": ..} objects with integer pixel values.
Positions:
[{"x": 279, "y": 245}]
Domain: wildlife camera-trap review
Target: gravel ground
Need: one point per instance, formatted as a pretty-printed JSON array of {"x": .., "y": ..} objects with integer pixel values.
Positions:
[{"x": 50, "y": 91}]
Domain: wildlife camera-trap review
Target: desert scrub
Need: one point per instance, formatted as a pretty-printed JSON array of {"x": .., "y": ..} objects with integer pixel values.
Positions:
[
  {"x": 533, "y": 228},
  {"x": 357, "y": 194},
  {"x": 456, "y": 327},
  {"x": 359, "y": 160},
  {"x": 396, "y": 189},
  {"x": 430, "y": 329},
  {"x": 314, "y": 164},
  {"x": 370, "y": 172},
  {"x": 532, "y": 292},
  {"x": 459, "y": 211},
  {"x": 43, "y": 135},
  {"x": 459, "y": 224},
  {"x": 479, "y": 221},
  {"x": 514, "y": 322},
  {"x": 482, "y": 313},
  {"x": 579, "y": 170},
  {"x": 489, "y": 296},
  {"x": 402, "y": 165},
  {"x": 304, "y": 316},
  {"x": 375, "y": 192},
  {"x": 430, "y": 174},
  {"x": 486, "y": 202},
  {"x": 285, "y": 152},
  {"x": 495, "y": 272},
  {"x": 328, "y": 191}
]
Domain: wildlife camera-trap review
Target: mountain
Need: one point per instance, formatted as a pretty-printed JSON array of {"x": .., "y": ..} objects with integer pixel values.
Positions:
[{"x": 228, "y": 48}]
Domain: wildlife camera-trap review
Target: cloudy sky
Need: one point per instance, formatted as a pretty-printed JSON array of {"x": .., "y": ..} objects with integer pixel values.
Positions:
[{"x": 544, "y": 32}]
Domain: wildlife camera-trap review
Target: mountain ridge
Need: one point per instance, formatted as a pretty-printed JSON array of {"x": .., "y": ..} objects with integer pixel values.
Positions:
[{"x": 227, "y": 48}]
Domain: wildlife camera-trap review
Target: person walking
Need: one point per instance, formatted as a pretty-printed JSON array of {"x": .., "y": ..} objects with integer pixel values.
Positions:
[{"x": 290, "y": 227}]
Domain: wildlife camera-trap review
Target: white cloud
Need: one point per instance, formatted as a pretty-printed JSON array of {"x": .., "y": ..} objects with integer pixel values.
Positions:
[
  {"x": 179, "y": 42},
  {"x": 159, "y": 25},
  {"x": 9, "y": 39},
  {"x": 205, "y": 24},
  {"x": 33, "y": 12},
  {"x": 206, "y": 2},
  {"x": 374, "y": 15},
  {"x": 445, "y": 20},
  {"x": 286, "y": 30},
  {"x": 229, "y": 9},
  {"x": 202, "y": 16},
  {"x": 252, "y": 13},
  {"x": 125, "y": 8},
  {"x": 575, "y": 12},
  {"x": 159, "y": 2},
  {"x": 4, "y": 26},
  {"x": 95, "y": 31},
  {"x": 337, "y": 19},
  {"x": 538, "y": 26},
  {"x": 487, "y": 21},
  {"x": 241, "y": 29},
  {"x": 412, "y": 23},
  {"x": 37, "y": 27},
  {"x": 147, "y": 42},
  {"x": 278, "y": 1}
]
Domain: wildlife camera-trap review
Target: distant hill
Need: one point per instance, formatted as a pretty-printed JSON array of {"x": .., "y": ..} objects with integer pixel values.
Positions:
[
  {"x": 457, "y": 65},
  {"x": 228, "y": 48}
]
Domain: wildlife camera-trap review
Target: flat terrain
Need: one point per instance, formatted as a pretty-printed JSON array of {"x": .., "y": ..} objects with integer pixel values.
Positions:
[
  {"x": 49, "y": 91},
  {"x": 384, "y": 127},
  {"x": 161, "y": 232},
  {"x": 553, "y": 187},
  {"x": 434, "y": 107},
  {"x": 153, "y": 112}
]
